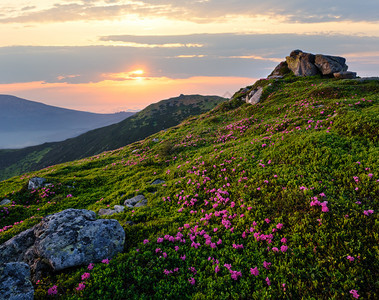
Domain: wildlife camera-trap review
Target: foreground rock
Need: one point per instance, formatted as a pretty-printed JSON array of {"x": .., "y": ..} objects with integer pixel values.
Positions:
[
  {"x": 15, "y": 281},
  {"x": 36, "y": 183},
  {"x": 136, "y": 201},
  {"x": 66, "y": 239}
]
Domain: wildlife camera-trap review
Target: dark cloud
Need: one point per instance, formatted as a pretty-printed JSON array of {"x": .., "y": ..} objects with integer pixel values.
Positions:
[
  {"x": 208, "y": 11},
  {"x": 220, "y": 55}
]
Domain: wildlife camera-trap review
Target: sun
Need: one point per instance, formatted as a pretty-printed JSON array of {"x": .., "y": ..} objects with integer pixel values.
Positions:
[{"x": 137, "y": 72}]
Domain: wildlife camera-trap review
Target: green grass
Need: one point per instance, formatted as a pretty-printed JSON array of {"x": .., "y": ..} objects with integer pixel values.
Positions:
[{"x": 241, "y": 166}]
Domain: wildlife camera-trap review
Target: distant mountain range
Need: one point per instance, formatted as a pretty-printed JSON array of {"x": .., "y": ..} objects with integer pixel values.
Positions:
[
  {"x": 152, "y": 119},
  {"x": 25, "y": 123}
]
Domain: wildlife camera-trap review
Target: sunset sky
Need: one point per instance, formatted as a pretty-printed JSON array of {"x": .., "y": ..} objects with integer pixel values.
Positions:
[{"x": 112, "y": 55}]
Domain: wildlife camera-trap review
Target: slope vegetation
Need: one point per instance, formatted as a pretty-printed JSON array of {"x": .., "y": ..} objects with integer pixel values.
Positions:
[{"x": 270, "y": 201}]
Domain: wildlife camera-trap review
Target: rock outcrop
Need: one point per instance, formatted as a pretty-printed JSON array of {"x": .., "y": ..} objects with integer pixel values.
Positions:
[
  {"x": 15, "y": 281},
  {"x": 308, "y": 64},
  {"x": 70, "y": 238}
]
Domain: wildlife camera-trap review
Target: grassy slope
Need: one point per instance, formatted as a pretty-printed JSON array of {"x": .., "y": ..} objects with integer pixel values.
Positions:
[
  {"x": 155, "y": 117},
  {"x": 242, "y": 169}
]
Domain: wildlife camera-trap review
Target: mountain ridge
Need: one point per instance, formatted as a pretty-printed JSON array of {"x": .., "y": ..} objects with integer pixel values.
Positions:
[
  {"x": 155, "y": 117},
  {"x": 27, "y": 123}
]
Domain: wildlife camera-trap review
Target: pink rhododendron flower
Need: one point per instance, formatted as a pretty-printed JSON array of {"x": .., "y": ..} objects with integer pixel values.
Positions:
[
  {"x": 105, "y": 261},
  {"x": 283, "y": 248},
  {"x": 81, "y": 287},
  {"x": 254, "y": 271},
  {"x": 86, "y": 276},
  {"x": 350, "y": 258},
  {"x": 53, "y": 290},
  {"x": 268, "y": 281},
  {"x": 266, "y": 265},
  {"x": 192, "y": 280},
  {"x": 90, "y": 266},
  {"x": 279, "y": 226},
  {"x": 354, "y": 293}
]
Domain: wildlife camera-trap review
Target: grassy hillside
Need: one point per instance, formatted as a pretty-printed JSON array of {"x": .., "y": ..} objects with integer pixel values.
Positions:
[
  {"x": 155, "y": 117},
  {"x": 270, "y": 201}
]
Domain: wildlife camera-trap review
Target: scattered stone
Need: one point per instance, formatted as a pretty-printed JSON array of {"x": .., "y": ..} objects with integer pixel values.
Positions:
[
  {"x": 345, "y": 75},
  {"x": 254, "y": 96},
  {"x": 106, "y": 212},
  {"x": 301, "y": 63},
  {"x": 158, "y": 181},
  {"x": 5, "y": 201},
  {"x": 70, "y": 238},
  {"x": 136, "y": 201},
  {"x": 155, "y": 140},
  {"x": 119, "y": 208},
  {"x": 135, "y": 150},
  {"x": 328, "y": 65},
  {"x": 35, "y": 183},
  {"x": 15, "y": 281}
]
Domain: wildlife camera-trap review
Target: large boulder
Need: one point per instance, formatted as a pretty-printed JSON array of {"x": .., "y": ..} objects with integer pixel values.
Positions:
[
  {"x": 328, "y": 65},
  {"x": 15, "y": 281},
  {"x": 74, "y": 237},
  {"x": 136, "y": 201},
  {"x": 70, "y": 238},
  {"x": 35, "y": 183},
  {"x": 301, "y": 63}
]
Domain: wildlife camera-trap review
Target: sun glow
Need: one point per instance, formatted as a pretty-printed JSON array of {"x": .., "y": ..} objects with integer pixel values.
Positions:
[{"x": 137, "y": 72}]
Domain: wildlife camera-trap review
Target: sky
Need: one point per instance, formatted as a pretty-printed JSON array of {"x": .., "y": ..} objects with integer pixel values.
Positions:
[{"x": 118, "y": 55}]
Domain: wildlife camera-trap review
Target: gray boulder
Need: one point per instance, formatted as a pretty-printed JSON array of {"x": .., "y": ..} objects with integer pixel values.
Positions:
[
  {"x": 70, "y": 238},
  {"x": 15, "y": 248},
  {"x": 254, "y": 96},
  {"x": 5, "y": 202},
  {"x": 35, "y": 183},
  {"x": 15, "y": 281},
  {"x": 74, "y": 237},
  {"x": 158, "y": 181},
  {"x": 119, "y": 208},
  {"x": 136, "y": 201},
  {"x": 301, "y": 63},
  {"x": 345, "y": 75},
  {"x": 328, "y": 65}
]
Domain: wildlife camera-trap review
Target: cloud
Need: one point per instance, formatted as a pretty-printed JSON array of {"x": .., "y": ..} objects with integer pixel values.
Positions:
[
  {"x": 233, "y": 55},
  {"x": 295, "y": 11}
]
